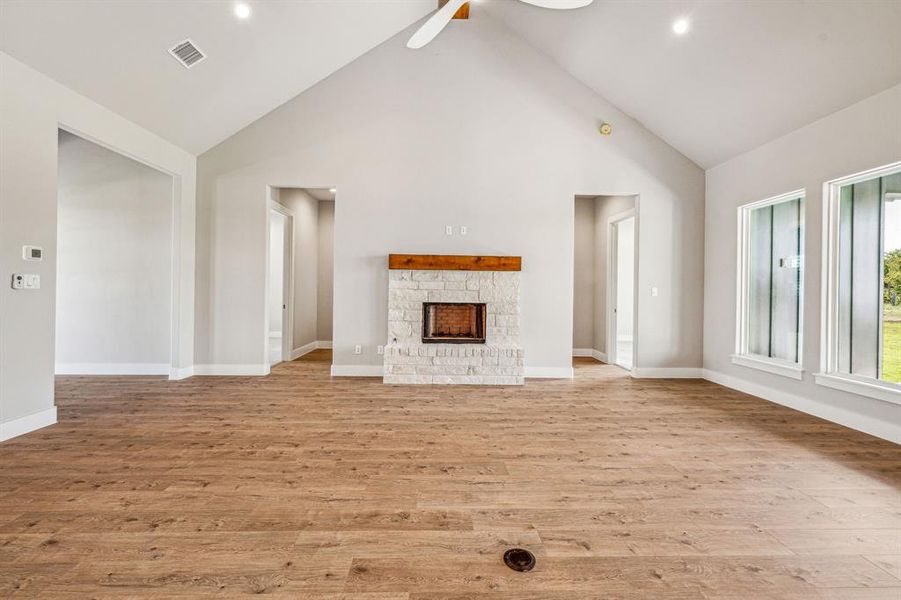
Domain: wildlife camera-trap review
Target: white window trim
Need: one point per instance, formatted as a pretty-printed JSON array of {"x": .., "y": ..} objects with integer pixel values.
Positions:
[
  {"x": 829, "y": 376},
  {"x": 742, "y": 357},
  {"x": 862, "y": 386},
  {"x": 770, "y": 365}
]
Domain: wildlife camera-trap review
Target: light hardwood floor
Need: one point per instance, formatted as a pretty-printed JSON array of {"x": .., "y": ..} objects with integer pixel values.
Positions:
[{"x": 300, "y": 486}]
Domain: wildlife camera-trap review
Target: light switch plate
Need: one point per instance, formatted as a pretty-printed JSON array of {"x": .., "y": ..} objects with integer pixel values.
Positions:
[
  {"x": 32, "y": 253},
  {"x": 449, "y": 229}
]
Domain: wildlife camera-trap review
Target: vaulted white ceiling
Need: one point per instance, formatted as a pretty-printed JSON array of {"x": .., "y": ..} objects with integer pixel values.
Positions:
[
  {"x": 746, "y": 72},
  {"x": 116, "y": 53}
]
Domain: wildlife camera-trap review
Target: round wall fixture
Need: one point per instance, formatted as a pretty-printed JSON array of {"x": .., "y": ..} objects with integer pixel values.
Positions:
[
  {"x": 519, "y": 559},
  {"x": 605, "y": 128}
]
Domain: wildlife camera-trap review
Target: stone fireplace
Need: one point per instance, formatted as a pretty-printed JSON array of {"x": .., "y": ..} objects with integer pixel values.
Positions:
[{"x": 453, "y": 320}]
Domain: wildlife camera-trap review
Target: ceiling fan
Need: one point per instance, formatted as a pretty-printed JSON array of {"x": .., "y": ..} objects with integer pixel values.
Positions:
[{"x": 443, "y": 16}]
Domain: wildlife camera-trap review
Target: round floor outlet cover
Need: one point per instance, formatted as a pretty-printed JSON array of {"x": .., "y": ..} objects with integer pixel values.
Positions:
[{"x": 519, "y": 559}]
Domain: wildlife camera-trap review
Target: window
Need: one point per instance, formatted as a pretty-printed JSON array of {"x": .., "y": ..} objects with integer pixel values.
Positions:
[
  {"x": 862, "y": 291},
  {"x": 770, "y": 285}
]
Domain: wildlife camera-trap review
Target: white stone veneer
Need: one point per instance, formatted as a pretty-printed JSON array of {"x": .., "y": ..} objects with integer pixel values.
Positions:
[{"x": 499, "y": 361}]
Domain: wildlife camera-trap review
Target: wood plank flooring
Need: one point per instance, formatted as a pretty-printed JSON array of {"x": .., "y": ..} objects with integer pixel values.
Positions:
[{"x": 301, "y": 486}]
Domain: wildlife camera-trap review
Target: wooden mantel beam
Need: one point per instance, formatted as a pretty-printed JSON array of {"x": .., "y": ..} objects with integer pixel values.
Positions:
[{"x": 453, "y": 262}]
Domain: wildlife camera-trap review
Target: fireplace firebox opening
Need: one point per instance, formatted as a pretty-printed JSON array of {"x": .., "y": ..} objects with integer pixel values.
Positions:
[{"x": 453, "y": 323}]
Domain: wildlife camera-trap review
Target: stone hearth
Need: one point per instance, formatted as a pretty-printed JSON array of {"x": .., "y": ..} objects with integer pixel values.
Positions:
[{"x": 498, "y": 361}]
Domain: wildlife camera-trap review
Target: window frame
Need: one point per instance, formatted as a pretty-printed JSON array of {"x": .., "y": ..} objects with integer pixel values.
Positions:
[
  {"x": 741, "y": 357},
  {"x": 828, "y": 376}
]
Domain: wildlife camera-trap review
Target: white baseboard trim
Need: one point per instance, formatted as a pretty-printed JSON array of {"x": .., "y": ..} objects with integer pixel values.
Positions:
[
  {"x": 232, "y": 370},
  {"x": 112, "y": 368},
  {"x": 876, "y": 427},
  {"x": 179, "y": 373},
  {"x": 590, "y": 353},
  {"x": 307, "y": 348},
  {"x": 667, "y": 373},
  {"x": 358, "y": 370},
  {"x": 548, "y": 372},
  {"x": 27, "y": 424}
]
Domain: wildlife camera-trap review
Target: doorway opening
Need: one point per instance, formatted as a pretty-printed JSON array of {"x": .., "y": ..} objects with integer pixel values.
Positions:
[
  {"x": 114, "y": 280},
  {"x": 605, "y": 264},
  {"x": 299, "y": 280}
]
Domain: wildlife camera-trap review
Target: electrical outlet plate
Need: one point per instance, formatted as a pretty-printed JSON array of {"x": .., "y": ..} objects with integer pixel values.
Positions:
[
  {"x": 358, "y": 349},
  {"x": 26, "y": 281}
]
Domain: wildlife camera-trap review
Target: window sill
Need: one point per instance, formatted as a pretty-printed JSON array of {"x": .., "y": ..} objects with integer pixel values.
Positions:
[
  {"x": 870, "y": 388},
  {"x": 770, "y": 365}
]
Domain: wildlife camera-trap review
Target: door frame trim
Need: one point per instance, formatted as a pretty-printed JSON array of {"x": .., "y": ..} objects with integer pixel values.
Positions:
[
  {"x": 612, "y": 234},
  {"x": 287, "y": 281}
]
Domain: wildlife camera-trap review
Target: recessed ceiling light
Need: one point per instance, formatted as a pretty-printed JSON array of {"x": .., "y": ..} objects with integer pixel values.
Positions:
[
  {"x": 332, "y": 190},
  {"x": 680, "y": 26},
  {"x": 242, "y": 10}
]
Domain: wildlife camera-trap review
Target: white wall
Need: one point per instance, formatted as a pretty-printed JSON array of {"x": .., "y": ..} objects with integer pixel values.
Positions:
[
  {"x": 865, "y": 135},
  {"x": 114, "y": 263},
  {"x": 585, "y": 271},
  {"x": 276, "y": 271},
  {"x": 477, "y": 129},
  {"x": 32, "y": 107},
  {"x": 326, "y": 268}
]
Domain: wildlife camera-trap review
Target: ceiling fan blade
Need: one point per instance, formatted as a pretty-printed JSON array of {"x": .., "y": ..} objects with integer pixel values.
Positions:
[
  {"x": 559, "y": 4},
  {"x": 435, "y": 24}
]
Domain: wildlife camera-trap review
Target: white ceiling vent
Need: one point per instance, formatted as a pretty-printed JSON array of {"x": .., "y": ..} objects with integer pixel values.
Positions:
[{"x": 187, "y": 53}]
